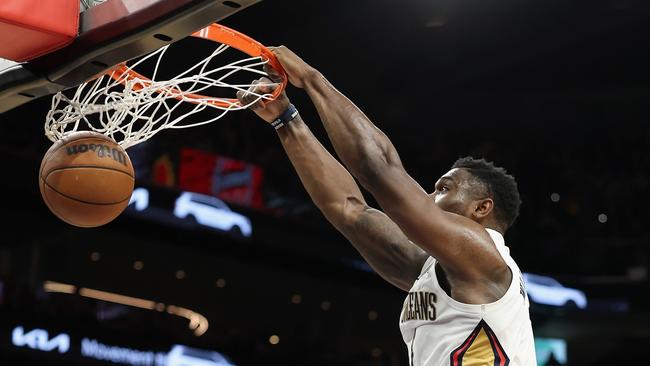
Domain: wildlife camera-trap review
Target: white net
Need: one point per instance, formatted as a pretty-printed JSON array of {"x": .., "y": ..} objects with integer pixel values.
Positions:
[
  {"x": 87, "y": 4},
  {"x": 131, "y": 110}
]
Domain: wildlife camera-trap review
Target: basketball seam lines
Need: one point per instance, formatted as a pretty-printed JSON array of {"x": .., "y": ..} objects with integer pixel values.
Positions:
[
  {"x": 82, "y": 201},
  {"x": 87, "y": 166},
  {"x": 51, "y": 207}
]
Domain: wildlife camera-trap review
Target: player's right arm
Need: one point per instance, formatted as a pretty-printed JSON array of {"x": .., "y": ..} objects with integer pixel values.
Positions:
[{"x": 331, "y": 187}]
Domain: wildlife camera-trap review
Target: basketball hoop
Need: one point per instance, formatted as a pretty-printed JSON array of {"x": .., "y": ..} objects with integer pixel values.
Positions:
[{"x": 130, "y": 108}]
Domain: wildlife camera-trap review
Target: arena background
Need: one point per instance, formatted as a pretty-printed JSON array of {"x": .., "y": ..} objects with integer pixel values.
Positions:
[{"x": 555, "y": 91}]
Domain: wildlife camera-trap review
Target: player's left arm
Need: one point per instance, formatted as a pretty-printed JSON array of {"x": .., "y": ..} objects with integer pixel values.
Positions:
[{"x": 462, "y": 246}]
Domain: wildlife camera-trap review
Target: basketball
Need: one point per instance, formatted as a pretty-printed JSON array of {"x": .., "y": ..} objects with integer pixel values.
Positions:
[{"x": 86, "y": 179}]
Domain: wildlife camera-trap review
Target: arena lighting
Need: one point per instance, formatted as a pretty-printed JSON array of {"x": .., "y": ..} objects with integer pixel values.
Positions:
[
  {"x": 179, "y": 355},
  {"x": 50, "y": 286},
  {"x": 140, "y": 197},
  {"x": 119, "y": 299},
  {"x": 39, "y": 339},
  {"x": 198, "y": 323}
]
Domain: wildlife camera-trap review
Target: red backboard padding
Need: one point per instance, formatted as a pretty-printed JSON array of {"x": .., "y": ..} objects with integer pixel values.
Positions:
[{"x": 32, "y": 28}]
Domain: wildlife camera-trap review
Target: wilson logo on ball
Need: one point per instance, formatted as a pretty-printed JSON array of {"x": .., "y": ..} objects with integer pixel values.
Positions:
[{"x": 100, "y": 150}]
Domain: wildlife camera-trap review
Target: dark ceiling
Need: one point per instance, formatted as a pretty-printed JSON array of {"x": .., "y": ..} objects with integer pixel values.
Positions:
[{"x": 555, "y": 91}]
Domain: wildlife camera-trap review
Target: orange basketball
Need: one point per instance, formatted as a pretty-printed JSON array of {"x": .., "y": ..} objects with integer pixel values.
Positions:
[{"x": 86, "y": 179}]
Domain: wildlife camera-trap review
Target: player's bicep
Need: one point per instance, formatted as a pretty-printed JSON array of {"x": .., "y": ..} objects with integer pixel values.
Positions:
[
  {"x": 386, "y": 248},
  {"x": 460, "y": 244}
]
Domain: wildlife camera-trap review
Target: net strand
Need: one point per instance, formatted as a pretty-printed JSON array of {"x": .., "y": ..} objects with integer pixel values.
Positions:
[{"x": 131, "y": 110}]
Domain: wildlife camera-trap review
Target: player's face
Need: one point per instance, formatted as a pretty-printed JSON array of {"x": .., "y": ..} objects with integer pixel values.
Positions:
[{"x": 453, "y": 192}]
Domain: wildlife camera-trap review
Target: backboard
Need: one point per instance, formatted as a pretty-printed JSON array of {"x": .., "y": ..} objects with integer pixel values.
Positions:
[{"x": 110, "y": 32}]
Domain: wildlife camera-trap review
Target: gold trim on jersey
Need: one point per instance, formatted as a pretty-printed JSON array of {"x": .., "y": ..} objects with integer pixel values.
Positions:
[{"x": 481, "y": 348}]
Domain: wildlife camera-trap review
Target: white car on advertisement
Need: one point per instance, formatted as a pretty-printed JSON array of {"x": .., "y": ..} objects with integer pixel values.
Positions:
[
  {"x": 548, "y": 291},
  {"x": 211, "y": 211}
]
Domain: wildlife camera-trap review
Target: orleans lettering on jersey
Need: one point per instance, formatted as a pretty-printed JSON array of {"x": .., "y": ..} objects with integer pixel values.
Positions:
[
  {"x": 522, "y": 287},
  {"x": 419, "y": 305}
]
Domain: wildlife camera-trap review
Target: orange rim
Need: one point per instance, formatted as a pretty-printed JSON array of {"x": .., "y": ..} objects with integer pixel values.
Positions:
[{"x": 221, "y": 34}]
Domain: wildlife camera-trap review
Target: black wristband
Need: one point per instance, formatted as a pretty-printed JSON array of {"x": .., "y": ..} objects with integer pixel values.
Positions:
[{"x": 285, "y": 117}]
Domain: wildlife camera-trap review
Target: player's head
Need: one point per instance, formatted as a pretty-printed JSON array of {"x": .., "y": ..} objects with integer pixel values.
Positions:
[{"x": 481, "y": 191}]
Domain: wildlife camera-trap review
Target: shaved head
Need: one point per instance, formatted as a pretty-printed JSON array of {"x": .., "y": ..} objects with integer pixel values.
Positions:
[{"x": 485, "y": 180}]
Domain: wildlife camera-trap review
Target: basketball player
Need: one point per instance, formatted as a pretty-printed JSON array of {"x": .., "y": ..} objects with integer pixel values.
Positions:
[{"x": 466, "y": 302}]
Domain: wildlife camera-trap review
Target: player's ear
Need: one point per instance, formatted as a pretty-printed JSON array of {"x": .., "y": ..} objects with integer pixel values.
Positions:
[{"x": 482, "y": 208}]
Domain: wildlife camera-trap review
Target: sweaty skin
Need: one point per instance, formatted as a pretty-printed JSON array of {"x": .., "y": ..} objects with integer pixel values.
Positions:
[{"x": 447, "y": 224}]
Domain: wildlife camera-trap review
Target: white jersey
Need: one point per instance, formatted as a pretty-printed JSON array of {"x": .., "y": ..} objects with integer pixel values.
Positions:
[{"x": 439, "y": 330}]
